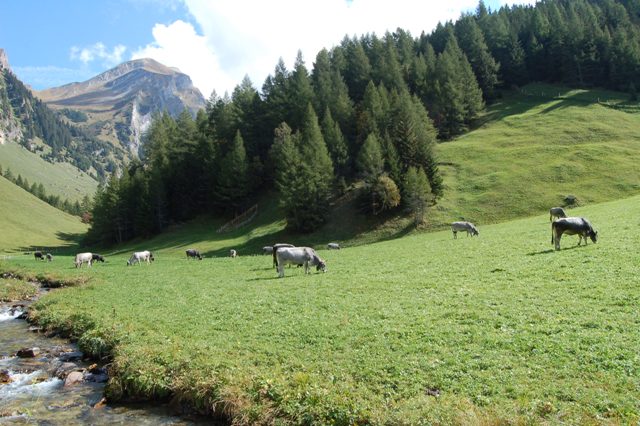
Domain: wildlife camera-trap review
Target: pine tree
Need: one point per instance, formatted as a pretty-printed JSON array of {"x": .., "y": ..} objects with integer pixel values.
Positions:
[
  {"x": 473, "y": 44},
  {"x": 370, "y": 162},
  {"x": 233, "y": 177},
  {"x": 416, "y": 193},
  {"x": 336, "y": 144},
  {"x": 300, "y": 93}
]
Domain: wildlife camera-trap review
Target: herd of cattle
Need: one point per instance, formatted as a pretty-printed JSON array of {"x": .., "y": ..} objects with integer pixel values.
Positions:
[
  {"x": 287, "y": 254},
  {"x": 561, "y": 225}
]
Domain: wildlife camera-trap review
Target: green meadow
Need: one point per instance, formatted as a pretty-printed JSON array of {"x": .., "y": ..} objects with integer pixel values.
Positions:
[
  {"x": 535, "y": 147},
  {"x": 28, "y": 223},
  {"x": 495, "y": 329},
  {"x": 62, "y": 179}
]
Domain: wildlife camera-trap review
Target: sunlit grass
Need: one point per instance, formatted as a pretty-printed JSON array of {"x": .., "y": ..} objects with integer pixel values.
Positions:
[
  {"x": 27, "y": 223},
  {"x": 501, "y": 326}
]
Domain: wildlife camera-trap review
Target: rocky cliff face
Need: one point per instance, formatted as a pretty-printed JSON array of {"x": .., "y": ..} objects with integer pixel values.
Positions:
[
  {"x": 121, "y": 102},
  {"x": 9, "y": 126},
  {"x": 4, "y": 61}
]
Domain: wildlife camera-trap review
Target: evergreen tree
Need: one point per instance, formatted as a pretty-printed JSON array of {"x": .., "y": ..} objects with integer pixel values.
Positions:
[
  {"x": 336, "y": 144},
  {"x": 370, "y": 162},
  {"x": 473, "y": 44},
  {"x": 233, "y": 177},
  {"x": 416, "y": 193}
]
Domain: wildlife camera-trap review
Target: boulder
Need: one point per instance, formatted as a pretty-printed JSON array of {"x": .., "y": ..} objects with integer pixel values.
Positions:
[
  {"x": 5, "y": 377},
  {"x": 28, "y": 352},
  {"x": 70, "y": 356},
  {"x": 73, "y": 378},
  {"x": 63, "y": 370}
]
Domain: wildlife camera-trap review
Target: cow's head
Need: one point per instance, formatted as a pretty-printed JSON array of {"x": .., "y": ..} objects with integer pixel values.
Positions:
[
  {"x": 128, "y": 263},
  {"x": 100, "y": 258},
  {"x": 475, "y": 232},
  {"x": 594, "y": 236},
  {"x": 151, "y": 257},
  {"x": 322, "y": 266}
]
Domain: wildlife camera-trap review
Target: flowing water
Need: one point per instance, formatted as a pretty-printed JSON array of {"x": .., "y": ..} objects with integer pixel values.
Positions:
[{"x": 34, "y": 395}]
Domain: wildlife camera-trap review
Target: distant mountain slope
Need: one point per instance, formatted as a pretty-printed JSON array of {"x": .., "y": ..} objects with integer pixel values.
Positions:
[
  {"x": 120, "y": 102},
  {"x": 29, "y": 223},
  {"x": 26, "y": 120},
  {"x": 61, "y": 179}
]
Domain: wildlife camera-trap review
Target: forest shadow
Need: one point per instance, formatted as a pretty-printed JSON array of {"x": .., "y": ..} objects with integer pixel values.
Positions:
[{"x": 70, "y": 246}]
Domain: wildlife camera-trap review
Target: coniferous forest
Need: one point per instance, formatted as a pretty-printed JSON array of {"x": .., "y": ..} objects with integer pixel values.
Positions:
[{"x": 370, "y": 109}]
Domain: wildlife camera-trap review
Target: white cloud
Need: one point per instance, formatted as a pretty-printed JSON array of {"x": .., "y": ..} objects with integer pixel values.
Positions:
[
  {"x": 178, "y": 45},
  {"x": 96, "y": 51},
  {"x": 247, "y": 37}
]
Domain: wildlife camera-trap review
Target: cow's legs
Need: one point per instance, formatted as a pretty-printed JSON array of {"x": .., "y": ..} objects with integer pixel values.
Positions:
[
  {"x": 557, "y": 240},
  {"x": 306, "y": 267},
  {"x": 455, "y": 235},
  {"x": 280, "y": 268}
]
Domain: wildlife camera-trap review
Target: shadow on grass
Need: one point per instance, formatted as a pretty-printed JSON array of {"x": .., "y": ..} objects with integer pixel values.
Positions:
[
  {"x": 70, "y": 246},
  {"x": 552, "y": 250}
]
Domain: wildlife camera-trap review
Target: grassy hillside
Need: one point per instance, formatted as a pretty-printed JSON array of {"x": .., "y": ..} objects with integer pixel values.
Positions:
[
  {"x": 501, "y": 327},
  {"x": 28, "y": 223},
  {"x": 61, "y": 179},
  {"x": 538, "y": 146}
]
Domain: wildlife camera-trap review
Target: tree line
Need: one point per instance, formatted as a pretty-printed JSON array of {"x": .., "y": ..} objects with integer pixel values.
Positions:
[
  {"x": 75, "y": 208},
  {"x": 370, "y": 109}
]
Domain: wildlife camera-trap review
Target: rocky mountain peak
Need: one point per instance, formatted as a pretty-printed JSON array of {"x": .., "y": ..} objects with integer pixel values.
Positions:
[{"x": 121, "y": 101}]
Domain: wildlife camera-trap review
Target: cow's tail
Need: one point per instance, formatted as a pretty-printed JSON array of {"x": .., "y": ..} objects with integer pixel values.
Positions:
[{"x": 552, "y": 225}]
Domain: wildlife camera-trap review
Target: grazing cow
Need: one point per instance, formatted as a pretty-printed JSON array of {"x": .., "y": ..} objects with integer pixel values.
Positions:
[
  {"x": 83, "y": 258},
  {"x": 299, "y": 256},
  {"x": 49, "y": 257},
  {"x": 572, "y": 226},
  {"x": 275, "y": 249},
  {"x": 469, "y": 227},
  {"x": 333, "y": 246},
  {"x": 233, "y": 253},
  {"x": 267, "y": 250},
  {"x": 95, "y": 257},
  {"x": 38, "y": 255},
  {"x": 556, "y": 212},
  {"x": 193, "y": 253},
  {"x": 140, "y": 256}
]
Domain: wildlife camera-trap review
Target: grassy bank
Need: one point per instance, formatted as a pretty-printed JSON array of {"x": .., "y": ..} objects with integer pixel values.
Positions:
[
  {"x": 501, "y": 327},
  {"x": 12, "y": 289}
]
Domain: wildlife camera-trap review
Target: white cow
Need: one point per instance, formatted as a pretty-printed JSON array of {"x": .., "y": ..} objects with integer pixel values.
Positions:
[
  {"x": 469, "y": 227},
  {"x": 233, "y": 253},
  {"x": 82, "y": 258},
  {"x": 333, "y": 246},
  {"x": 305, "y": 256},
  {"x": 140, "y": 256}
]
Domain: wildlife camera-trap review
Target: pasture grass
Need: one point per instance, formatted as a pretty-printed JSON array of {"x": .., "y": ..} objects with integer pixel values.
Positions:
[
  {"x": 12, "y": 289},
  {"x": 535, "y": 147},
  {"x": 28, "y": 223},
  {"x": 62, "y": 179},
  {"x": 425, "y": 329}
]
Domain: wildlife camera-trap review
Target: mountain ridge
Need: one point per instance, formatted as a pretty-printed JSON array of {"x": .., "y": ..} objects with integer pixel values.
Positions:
[{"x": 120, "y": 102}]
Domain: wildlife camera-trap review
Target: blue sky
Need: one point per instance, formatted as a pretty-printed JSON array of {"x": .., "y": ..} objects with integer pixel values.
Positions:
[{"x": 216, "y": 42}]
